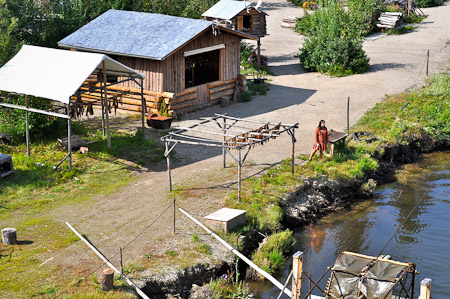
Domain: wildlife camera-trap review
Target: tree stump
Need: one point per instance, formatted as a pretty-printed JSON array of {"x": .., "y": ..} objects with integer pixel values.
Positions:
[
  {"x": 107, "y": 279},
  {"x": 9, "y": 236}
]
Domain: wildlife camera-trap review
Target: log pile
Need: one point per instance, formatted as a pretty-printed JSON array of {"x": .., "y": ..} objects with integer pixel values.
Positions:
[
  {"x": 120, "y": 97},
  {"x": 127, "y": 98},
  {"x": 389, "y": 20}
]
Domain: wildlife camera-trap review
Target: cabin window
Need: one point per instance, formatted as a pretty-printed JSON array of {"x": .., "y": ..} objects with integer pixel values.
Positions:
[
  {"x": 202, "y": 68},
  {"x": 247, "y": 23}
]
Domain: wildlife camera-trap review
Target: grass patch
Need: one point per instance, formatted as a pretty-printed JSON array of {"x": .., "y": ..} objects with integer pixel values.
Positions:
[
  {"x": 201, "y": 246},
  {"x": 36, "y": 184},
  {"x": 270, "y": 256},
  {"x": 35, "y": 190}
]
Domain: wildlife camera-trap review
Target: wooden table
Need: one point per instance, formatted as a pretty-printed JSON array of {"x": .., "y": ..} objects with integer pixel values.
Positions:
[{"x": 335, "y": 137}]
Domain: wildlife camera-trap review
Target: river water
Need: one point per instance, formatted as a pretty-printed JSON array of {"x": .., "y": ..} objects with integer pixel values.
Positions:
[{"x": 423, "y": 239}]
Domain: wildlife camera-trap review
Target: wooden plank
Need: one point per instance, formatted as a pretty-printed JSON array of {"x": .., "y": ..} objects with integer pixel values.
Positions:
[{"x": 184, "y": 105}]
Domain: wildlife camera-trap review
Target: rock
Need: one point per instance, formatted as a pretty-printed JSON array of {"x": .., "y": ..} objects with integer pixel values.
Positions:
[{"x": 198, "y": 292}]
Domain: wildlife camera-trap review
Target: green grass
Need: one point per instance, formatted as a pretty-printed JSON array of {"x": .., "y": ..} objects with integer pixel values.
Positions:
[
  {"x": 28, "y": 197},
  {"x": 270, "y": 256},
  {"x": 201, "y": 246}
]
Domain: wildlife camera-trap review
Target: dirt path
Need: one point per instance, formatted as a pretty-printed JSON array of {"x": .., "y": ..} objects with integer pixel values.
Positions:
[{"x": 397, "y": 62}]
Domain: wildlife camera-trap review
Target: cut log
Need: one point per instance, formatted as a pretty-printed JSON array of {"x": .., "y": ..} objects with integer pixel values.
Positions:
[
  {"x": 243, "y": 88},
  {"x": 242, "y": 82},
  {"x": 107, "y": 279},
  {"x": 135, "y": 108},
  {"x": 75, "y": 142},
  {"x": 219, "y": 95},
  {"x": 241, "y": 77},
  {"x": 221, "y": 88},
  {"x": 220, "y": 83},
  {"x": 176, "y": 107},
  {"x": 186, "y": 92},
  {"x": 9, "y": 236},
  {"x": 184, "y": 98}
]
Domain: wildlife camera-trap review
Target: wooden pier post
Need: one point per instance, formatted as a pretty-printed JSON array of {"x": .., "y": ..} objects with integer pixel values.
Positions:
[
  {"x": 297, "y": 270},
  {"x": 107, "y": 279},
  {"x": 425, "y": 288},
  {"x": 9, "y": 236}
]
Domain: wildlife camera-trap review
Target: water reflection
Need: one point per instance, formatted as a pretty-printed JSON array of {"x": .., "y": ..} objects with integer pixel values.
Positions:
[{"x": 423, "y": 238}]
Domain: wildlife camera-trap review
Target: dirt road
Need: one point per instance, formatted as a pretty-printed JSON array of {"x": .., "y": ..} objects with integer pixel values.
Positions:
[{"x": 397, "y": 62}]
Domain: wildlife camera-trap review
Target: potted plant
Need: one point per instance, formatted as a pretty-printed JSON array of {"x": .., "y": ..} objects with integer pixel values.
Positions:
[{"x": 161, "y": 121}]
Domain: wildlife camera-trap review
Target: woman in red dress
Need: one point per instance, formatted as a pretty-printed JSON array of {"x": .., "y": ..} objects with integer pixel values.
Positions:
[{"x": 320, "y": 139}]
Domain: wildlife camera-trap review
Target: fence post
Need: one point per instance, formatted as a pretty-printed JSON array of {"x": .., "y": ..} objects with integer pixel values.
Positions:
[
  {"x": 297, "y": 269},
  {"x": 425, "y": 288},
  {"x": 174, "y": 211},
  {"x": 428, "y": 59}
]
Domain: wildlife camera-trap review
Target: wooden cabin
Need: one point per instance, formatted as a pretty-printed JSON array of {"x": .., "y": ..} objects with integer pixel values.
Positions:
[
  {"x": 195, "y": 60},
  {"x": 238, "y": 15}
]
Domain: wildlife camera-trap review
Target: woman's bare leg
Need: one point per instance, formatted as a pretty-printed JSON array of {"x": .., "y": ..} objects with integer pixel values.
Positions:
[
  {"x": 320, "y": 154},
  {"x": 312, "y": 155}
]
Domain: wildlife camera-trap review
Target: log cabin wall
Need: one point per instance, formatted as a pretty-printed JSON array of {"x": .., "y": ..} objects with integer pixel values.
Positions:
[
  {"x": 230, "y": 57},
  {"x": 152, "y": 69},
  {"x": 258, "y": 22}
]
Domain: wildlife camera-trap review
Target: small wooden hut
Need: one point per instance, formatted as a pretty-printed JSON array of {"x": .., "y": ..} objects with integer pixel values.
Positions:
[
  {"x": 239, "y": 15},
  {"x": 188, "y": 63}
]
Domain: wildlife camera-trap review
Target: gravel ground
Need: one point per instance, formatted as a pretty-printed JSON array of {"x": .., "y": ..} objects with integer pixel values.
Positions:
[{"x": 397, "y": 63}]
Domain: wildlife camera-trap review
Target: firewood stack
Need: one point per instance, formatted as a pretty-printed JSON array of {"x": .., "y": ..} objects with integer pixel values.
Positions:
[{"x": 389, "y": 20}]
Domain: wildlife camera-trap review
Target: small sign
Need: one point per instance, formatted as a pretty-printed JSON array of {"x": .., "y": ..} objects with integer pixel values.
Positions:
[{"x": 363, "y": 288}]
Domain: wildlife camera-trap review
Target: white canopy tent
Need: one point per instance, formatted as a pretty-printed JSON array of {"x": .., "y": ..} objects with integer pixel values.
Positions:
[{"x": 57, "y": 75}]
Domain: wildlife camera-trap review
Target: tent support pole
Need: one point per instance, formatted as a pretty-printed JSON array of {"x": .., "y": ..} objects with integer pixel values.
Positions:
[
  {"x": 144, "y": 106},
  {"x": 105, "y": 92},
  {"x": 239, "y": 174},
  {"x": 69, "y": 136},
  {"x": 27, "y": 127},
  {"x": 102, "y": 96}
]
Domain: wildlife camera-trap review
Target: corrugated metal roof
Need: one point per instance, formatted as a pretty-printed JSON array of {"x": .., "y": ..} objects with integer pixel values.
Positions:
[
  {"x": 136, "y": 34},
  {"x": 226, "y": 9}
]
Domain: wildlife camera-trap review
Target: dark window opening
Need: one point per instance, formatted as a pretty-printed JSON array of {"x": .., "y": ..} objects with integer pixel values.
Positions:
[
  {"x": 247, "y": 23},
  {"x": 202, "y": 68}
]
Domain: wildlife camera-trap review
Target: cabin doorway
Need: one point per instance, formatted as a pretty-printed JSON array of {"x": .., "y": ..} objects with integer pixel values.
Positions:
[{"x": 202, "y": 68}]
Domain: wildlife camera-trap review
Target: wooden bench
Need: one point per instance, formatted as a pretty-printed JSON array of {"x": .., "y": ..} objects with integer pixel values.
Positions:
[{"x": 334, "y": 137}]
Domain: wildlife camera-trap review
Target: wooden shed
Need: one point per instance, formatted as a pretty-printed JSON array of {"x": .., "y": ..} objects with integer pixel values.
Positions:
[
  {"x": 188, "y": 63},
  {"x": 239, "y": 15}
]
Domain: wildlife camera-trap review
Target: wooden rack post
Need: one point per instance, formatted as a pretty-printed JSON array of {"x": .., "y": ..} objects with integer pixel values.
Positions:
[
  {"x": 239, "y": 174},
  {"x": 297, "y": 270},
  {"x": 224, "y": 153}
]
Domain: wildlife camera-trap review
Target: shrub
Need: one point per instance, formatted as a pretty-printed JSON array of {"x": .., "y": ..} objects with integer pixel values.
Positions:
[
  {"x": 334, "y": 42},
  {"x": 429, "y": 3},
  {"x": 270, "y": 255},
  {"x": 13, "y": 121}
]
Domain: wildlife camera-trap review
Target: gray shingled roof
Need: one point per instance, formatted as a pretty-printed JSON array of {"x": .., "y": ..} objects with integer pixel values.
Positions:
[
  {"x": 135, "y": 34},
  {"x": 226, "y": 9}
]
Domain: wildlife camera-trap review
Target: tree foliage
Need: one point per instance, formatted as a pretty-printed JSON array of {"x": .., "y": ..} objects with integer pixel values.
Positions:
[{"x": 335, "y": 36}]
